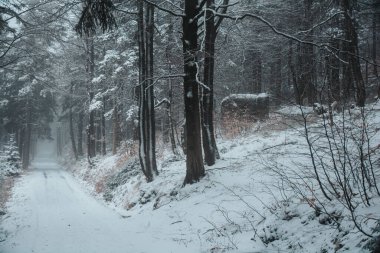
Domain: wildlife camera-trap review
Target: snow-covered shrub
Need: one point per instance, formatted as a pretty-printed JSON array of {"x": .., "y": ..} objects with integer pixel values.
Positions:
[{"x": 10, "y": 163}]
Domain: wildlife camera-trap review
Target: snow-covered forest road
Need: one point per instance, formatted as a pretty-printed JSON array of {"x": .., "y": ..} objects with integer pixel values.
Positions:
[{"x": 49, "y": 212}]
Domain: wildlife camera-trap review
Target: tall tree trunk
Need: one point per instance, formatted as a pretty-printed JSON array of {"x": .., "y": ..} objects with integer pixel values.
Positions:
[
  {"x": 80, "y": 133},
  {"x": 252, "y": 70},
  {"x": 275, "y": 78},
  {"x": 290, "y": 66},
  {"x": 353, "y": 53},
  {"x": 347, "y": 84},
  {"x": 258, "y": 71},
  {"x": 91, "y": 144},
  {"x": 278, "y": 79},
  {"x": 208, "y": 136},
  {"x": 366, "y": 68},
  {"x": 104, "y": 151},
  {"x": 59, "y": 141},
  {"x": 169, "y": 108},
  {"x": 305, "y": 82},
  {"x": 141, "y": 92},
  {"x": 151, "y": 147},
  {"x": 27, "y": 136},
  {"x": 147, "y": 136},
  {"x": 116, "y": 138},
  {"x": 332, "y": 68},
  {"x": 374, "y": 43},
  {"x": 19, "y": 139},
  {"x": 194, "y": 161},
  {"x": 299, "y": 87},
  {"x": 72, "y": 137},
  {"x": 98, "y": 131},
  {"x": 33, "y": 147}
]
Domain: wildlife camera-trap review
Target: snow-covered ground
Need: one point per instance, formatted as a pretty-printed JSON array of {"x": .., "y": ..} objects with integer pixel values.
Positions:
[
  {"x": 50, "y": 212},
  {"x": 240, "y": 206}
]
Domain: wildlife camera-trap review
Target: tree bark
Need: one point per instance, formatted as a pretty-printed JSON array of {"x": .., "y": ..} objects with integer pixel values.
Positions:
[
  {"x": 98, "y": 131},
  {"x": 351, "y": 37},
  {"x": 90, "y": 67},
  {"x": 276, "y": 77},
  {"x": 141, "y": 91},
  {"x": 59, "y": 141},
  {"x": 147, "y": 137},
  {"x": 104, "y": 147},
  {"x": 27, "y": 136},
  {"x": 333, "y": 72},
  {"x": 116, "y": 138},
  {"x": 149, "y": 91},
  {"x": 298, "y": 88},
  {"x": 290, "y": 66},
  {"x": 72, "y": 137},
  {"x": 257, "y": 72},
  {"x": 194, "y": 161},
  {"x": 208, "y": 136},
  {"x": 169, "y": 108},
  {"x": 80, "y": 133},
  {"x": 306, "y": 88},
  {"x": 170, "y": 118},
  {"x": 19, "y": 139},
  {"x": 252, "y": 71},
  {"x": 141, "y": 46},
  {"x": 374, "y": 43}
]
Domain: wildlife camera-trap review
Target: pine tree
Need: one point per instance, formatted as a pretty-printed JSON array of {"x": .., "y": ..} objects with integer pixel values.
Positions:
[{"x": 11, "y": 162}]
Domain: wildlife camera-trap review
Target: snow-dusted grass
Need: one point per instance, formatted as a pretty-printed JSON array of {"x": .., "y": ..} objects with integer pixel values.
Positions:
[{"x": 6, "y": 184}]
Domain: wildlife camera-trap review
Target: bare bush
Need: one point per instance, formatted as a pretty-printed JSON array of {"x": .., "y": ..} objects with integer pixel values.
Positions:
[{"x": 338, "y": 175}]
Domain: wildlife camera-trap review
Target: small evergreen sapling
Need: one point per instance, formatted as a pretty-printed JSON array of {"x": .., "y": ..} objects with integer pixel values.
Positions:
[{"x": 12, "y": 159}]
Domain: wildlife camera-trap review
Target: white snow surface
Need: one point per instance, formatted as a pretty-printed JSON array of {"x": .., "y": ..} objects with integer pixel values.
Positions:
[
  {"x": 239, "y": 206},
  {"x": 50, "y": 212},
  {"x": 246, "y": 96}
]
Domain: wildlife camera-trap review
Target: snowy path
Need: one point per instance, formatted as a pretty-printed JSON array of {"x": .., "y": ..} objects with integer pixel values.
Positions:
[{"x": 49, "y": 212}]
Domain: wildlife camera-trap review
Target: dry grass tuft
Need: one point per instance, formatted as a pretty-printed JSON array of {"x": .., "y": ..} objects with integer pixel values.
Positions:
[
  {"x": 100, "y": 185},
  {"x": 6, "y": 186},
  {"x": 127, "y": 152}
]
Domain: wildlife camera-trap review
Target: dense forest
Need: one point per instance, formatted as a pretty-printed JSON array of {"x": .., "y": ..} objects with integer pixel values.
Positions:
[
  {"x": 98, "y": 66},
  {"x": 102, "y": 77}
]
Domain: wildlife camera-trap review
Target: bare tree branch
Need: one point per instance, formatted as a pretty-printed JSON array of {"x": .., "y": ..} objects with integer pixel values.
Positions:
[{"x": 164, "y": 9}]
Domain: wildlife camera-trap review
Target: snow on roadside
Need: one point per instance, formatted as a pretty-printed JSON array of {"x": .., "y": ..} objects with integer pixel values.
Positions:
[{"x": 240, "y": 206}]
